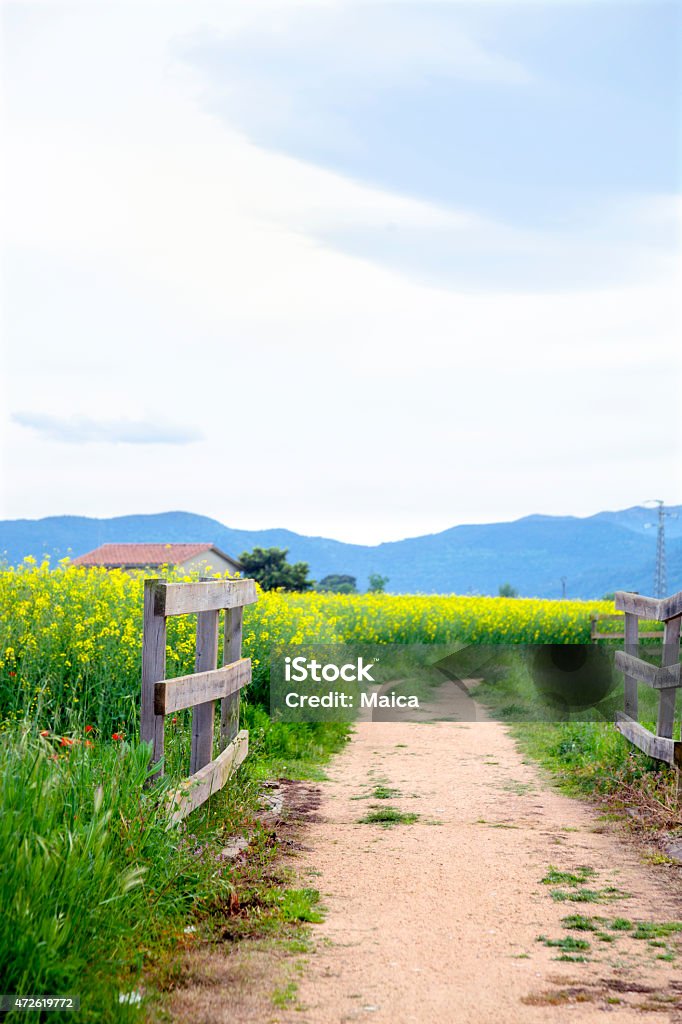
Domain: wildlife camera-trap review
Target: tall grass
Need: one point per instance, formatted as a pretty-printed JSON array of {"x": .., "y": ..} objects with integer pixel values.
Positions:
[{"x": 93, "y": 884}]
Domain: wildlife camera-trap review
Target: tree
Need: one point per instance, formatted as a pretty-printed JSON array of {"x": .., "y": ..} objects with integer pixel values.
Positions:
[
  {"x": 506, "y": 590},
  {"x": 338, "y": 584},
  {"x": 377, "y": 583},
  {"x": 269, "y": 567}
]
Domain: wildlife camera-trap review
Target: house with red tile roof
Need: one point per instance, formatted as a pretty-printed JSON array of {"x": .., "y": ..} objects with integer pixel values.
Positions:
[{"x": 206, "y": 558}]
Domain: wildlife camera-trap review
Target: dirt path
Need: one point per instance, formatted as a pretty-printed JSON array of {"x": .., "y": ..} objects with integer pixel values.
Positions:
[{"x": 437, "y": 922}]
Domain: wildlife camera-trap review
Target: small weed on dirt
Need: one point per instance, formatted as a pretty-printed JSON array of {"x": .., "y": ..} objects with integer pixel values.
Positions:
[
  {"x": 285, "y": 996},
  {"x": 654, "y": 930},
  {"x": 495, "y": 824},
  {"x": 578, "y": 877},
  {"x": 605, "y": 895},
  {"x": 387, "y": 817},
  {"x": 385, "y": 793},
  {"x": 559, "y": 997},
  {"x": 580, "y": 923},
  {"x": 621, "y": 924},
  {"x": 567, "y": 943}
]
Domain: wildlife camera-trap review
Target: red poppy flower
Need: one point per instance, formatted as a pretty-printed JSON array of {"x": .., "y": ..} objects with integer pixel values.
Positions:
[
  {"x": 89, "y": 744},
  {"x": 89, "y": 728},
  {"x": 12, "y": 674},
  {"x": 117, "y": 735},
  {"x": 65, "y": 742},
  {"x": 44, "y": 732}
]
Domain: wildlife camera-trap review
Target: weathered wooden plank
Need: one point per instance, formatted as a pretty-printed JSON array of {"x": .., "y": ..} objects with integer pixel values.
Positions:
[
  {"x": 186, "y": 691},
  {"x": 631, "y": 648},
  {"x": 671, "y": 607},
  {"x": 205, "y": 596},
  {"x": 645, "y": 607},
  {"x": 659, "y": 747},
  {"x": 153, "y": 669},
  {"x": 659, "y": 677},
  {"x": 232, "y": 651},
  {"x": 657, "y": 635},
  {"x": 666, "y": 697},
  {"x": 203, "y": 714},
  {"x": 208, "y": 780}
]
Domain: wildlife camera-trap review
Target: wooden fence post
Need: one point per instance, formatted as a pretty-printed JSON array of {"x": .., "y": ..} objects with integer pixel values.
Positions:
[
  {"x": 153, "y": 670},
  {"x": 666, "y": 697},
  {"x": 203, "y": 714},
  {"x": 631, "y": 647},
  {"x": 232, "y": 651}
]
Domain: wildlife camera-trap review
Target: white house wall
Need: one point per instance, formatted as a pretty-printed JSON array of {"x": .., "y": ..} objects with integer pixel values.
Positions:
[{"x": 209, "y": 562}]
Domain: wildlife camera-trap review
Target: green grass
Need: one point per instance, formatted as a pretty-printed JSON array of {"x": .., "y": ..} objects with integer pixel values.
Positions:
[
  {"x": 580, "y": 895},
  {"x": 556, "y": 877},
  {"x": 567, "y": 943},
  {"x": 586, "y": 758},
  {"x": 580, "y": 923},
  {"x": 655, "y": 930},
  {"x": 621, "y": 924},
  {"x": 300, "y": 905},
  {"x": 91, "y": 879},
  {"x": 286, "y": 995},
  {"x": 388, "y": 816},
  {"x": 385, "y": 793}
]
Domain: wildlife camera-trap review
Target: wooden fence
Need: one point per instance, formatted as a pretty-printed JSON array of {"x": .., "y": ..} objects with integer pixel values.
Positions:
[
  {"x": 200, "y": 690},
  {"x": 664, "y": 677},
  {"x": 596, "y": 632}
]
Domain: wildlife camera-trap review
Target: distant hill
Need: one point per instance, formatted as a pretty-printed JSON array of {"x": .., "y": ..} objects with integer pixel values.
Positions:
[{"x": 605, "y": 552}]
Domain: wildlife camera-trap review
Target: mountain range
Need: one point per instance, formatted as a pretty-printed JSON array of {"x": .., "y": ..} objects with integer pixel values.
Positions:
[{"x": 597, "y": 554}]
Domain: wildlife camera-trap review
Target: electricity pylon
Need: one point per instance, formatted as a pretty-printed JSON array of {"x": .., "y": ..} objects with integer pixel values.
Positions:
[{"x": 660, "y": 574}]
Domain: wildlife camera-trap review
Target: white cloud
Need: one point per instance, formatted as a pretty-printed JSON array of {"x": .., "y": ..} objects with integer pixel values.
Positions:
[
  {"x": 163, "y": 266},
  {"x": 81, "y": 430},
  {"x": 361, "y": 43}
]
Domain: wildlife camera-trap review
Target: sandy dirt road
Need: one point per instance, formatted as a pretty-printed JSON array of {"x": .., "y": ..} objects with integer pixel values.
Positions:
[{"x": 437, "y": 922}]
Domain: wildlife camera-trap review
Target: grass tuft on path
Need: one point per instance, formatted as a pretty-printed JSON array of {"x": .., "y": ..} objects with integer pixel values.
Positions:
[{"x": 387, "y": 817}]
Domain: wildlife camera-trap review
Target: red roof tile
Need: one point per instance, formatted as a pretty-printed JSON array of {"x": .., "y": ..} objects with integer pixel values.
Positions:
[{"x": 129, "y": 555}]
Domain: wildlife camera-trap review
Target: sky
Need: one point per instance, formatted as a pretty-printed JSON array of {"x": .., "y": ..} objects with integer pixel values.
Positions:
[{"x": 363, "y": 270}]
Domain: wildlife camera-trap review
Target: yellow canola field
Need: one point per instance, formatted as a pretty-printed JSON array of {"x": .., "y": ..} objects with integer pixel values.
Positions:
[{"x": 71, "y": 638}]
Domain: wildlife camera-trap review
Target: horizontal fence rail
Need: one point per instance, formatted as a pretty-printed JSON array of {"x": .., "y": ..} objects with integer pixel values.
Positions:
[
  {"x": 665, "y": 678},
  {"x": 596, "y": 634},
  {"x": 201, "y": 689}
]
